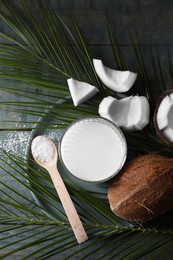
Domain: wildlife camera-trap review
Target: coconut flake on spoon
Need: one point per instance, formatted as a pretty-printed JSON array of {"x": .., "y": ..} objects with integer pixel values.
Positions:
[
  {"x": 119, "y": 81},
  {"x": 130, "y": 113},
  {"x": 80, "y": 91},
  {"x": 163, "y": 117}
]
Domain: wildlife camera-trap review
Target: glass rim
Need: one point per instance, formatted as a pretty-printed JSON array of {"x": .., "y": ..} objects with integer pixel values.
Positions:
[{"x": 106, "y": 122}]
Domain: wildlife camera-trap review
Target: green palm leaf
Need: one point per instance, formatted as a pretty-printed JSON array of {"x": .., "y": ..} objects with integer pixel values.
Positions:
[
  {"x": 103, "y": 232},
  {"x": 34, "y": 68}
]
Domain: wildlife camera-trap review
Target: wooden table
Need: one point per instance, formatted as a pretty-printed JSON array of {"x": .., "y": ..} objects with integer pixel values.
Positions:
[{"x": 151, "y": 21}]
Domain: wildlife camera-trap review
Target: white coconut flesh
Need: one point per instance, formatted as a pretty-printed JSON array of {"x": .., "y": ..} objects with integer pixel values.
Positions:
[
  {"x": 80, "y": 91},
  {"x": 130, "y": 113},
  {"x": 119, "y": 81},
  {"x": 165, "y": 117}
]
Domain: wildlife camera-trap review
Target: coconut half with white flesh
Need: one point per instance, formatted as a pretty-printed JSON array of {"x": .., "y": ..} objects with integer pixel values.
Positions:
[
  {"x": 81, "y": 91},
  {"x": 163, "y": 117},
  {"x": 130, "y": 113},
  {"x": 119, "y": 81}
]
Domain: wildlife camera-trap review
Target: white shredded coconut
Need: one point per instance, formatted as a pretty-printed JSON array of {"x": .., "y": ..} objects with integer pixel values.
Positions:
[
  {"x": 54, "y": 135},
  {"x": 42, "y": 149},
  {"x": 15, "y": 142}
]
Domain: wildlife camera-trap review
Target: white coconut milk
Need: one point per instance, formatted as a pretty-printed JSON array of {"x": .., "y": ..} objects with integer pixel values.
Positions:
[{"x": 93, "y": 149}]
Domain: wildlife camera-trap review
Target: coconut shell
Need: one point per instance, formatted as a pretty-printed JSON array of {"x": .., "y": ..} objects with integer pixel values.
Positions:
[
  {"x": 160, "y": 135},
  {"x": 144, "y": 188}
]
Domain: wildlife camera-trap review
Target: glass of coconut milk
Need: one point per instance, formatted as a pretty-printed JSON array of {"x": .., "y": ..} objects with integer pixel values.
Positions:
[{"x": 93, "y": 149}]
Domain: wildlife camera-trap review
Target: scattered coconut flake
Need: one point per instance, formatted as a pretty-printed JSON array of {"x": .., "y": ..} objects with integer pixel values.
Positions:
[
  {"x": 120, "y": 81},
  {"x": 54, "y": 135},
  {"x": 15, "y": 142},
  {"x": 81, "y": 91},
  {"x": 42, "y": 149},
  {"x": 130, "y": 113}
]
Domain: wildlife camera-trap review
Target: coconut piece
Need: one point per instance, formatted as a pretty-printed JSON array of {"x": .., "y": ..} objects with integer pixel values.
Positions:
[
  {"x": 81, "y": 91},
  {"x": 130, "y": 113},
  {"x": 120, "y": 81},
  {"x": 168, "y": 133},
  {"x": 143, "y": 189},
  {"x": 163, "y": 111},
  {"x": 163, "y": 117}
]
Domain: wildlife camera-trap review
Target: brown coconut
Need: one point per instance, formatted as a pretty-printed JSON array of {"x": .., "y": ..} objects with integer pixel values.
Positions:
[
  {"x": 160, "y": 135},
  {"x": 144, "y": 188}
]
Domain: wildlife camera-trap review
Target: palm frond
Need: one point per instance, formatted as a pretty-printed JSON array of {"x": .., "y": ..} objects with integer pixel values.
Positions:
[
  {"x": 35, "y": 69},
  {"x": 105, "y": 229}
]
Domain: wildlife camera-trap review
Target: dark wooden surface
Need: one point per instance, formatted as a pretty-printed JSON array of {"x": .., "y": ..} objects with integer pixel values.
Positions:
[{"x": 152, "y": 21}]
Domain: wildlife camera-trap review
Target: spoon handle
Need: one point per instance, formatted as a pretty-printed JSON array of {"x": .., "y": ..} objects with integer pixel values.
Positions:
[{"x": 68, "y": 205}]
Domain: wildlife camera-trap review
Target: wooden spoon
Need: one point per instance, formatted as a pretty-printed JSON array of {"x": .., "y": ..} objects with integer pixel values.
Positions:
[{"x": 51, "y": 166}]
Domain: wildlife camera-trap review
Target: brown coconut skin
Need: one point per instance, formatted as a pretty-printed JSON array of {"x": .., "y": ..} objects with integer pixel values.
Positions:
[
  {"x": 144, "y": 189},
  {"x": 158, "y": 131}
]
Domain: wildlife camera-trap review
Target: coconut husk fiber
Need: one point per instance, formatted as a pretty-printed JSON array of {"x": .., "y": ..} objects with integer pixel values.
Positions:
[{"x": 144, "y": 188}]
